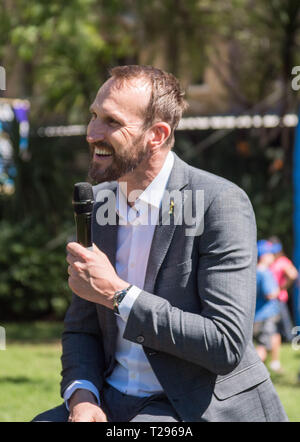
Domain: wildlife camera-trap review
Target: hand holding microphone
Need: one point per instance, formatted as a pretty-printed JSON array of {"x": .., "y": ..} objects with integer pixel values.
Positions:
[{"x": 91, "y": 274}]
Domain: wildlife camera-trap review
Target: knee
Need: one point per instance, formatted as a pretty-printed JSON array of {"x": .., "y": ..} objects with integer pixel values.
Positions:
[{"x": 57, "y": 414}]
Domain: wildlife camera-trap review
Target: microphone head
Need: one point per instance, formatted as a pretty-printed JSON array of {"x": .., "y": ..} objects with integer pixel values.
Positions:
[{"x": 83, "y": 198}]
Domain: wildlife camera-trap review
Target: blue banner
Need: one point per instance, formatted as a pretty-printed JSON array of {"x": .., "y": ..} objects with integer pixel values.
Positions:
[
  {"x": 11, "y": 110},
  {"x": 296, "y": 179}
]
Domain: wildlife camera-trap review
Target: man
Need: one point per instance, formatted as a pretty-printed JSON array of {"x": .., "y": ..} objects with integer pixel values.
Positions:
[
  {"x": 267, "y": 312},
  {"x": 161, "y": 320}
]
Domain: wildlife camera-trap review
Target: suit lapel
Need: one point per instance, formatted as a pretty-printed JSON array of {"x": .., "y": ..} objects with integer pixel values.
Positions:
[
  {"x": 105, "y": 237},
  {"x": 163, "y": 234}
]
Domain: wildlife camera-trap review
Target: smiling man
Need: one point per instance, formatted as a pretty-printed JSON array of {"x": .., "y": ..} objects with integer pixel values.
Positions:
[{"x": 160, "y": 324}]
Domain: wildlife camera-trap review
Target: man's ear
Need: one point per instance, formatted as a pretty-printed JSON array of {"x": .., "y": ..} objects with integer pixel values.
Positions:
[{"x": 159, "y": 133}]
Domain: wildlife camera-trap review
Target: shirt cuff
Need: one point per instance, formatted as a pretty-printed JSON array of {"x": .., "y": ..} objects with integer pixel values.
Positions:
[
  {"x": 128, "y": 301},
  {"x": 86, "y": 385}
]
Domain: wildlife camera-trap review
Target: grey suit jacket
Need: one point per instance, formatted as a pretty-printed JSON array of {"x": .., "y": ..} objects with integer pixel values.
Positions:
[{"x": 195, "y": 314}]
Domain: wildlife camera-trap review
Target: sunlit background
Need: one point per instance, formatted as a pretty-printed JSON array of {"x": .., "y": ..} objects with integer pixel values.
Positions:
[{"x": 237, "y": 60}]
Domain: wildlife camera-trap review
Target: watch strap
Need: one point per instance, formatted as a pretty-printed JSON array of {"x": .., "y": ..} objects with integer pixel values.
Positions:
[{"x": 118, "y": 297}]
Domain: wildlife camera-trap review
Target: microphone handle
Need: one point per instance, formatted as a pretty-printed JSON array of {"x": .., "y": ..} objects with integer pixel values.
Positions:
[{"x": 84, "y": 228}]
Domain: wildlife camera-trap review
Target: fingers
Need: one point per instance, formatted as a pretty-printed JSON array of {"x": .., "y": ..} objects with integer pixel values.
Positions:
[
  {"x": 101, "y": 417},
  {"x": 71, "y": 259},
  {"x": 77, "y": 250},
  {"x": 81, "y": 252},
  {"x": 85, "y": 412},
  {"x": 75, "y": 267},
  {"x": 84, "y": 256},
  {"x": 75, "y": 264},
  {"x": 72, "y": 271}
]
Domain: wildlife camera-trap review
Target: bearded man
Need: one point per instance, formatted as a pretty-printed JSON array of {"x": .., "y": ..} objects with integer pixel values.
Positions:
[{"x": 160, "y": 324}]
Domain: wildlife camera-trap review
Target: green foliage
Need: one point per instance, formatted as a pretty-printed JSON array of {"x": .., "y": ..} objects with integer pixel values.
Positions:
[
  {"x": 37, "y": 222},
  {"x": 44, "y": 184},
  {"x": 65, "y": 49},
  {"x": 33, "y": 275},
  {"x": 269, "y": 31}
]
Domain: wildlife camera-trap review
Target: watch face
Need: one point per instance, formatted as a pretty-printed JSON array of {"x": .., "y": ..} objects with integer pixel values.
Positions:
[{"x": 117, "y": 299}]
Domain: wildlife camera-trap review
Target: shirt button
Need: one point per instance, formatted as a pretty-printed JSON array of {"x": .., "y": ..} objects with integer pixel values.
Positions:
[{"x": 140, "y": 339}]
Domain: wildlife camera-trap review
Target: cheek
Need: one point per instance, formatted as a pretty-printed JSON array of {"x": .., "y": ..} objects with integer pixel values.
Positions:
[{"x": 128, "y": 135}]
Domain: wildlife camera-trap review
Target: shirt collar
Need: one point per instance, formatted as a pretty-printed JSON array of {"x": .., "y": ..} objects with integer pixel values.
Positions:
[{"x": 153, "y": 194}]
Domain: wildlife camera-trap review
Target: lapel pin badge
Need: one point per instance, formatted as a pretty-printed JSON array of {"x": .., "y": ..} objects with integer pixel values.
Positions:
[{"x": 171, "y": 208}]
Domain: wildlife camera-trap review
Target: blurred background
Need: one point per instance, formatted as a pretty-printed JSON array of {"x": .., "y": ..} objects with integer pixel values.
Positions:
[{"x": 237, "y": 60}]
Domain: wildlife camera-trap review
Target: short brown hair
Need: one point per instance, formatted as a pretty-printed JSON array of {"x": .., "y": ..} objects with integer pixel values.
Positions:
[{"x": 167, "y": 101}]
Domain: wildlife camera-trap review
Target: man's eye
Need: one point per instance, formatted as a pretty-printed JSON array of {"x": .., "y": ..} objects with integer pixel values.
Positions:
[{"x": 112, "y": 122}]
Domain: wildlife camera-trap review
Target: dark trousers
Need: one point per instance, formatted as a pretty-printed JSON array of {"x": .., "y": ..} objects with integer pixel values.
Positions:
[{"x": 121, "y": 407}]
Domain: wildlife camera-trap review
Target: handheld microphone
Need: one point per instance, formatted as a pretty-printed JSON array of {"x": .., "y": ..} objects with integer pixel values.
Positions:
[{"x": 83, "y": 202}]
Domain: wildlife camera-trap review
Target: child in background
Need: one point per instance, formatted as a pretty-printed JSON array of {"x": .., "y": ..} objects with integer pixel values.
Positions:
[
  {"x": 285, "y": 274},
  {"x": 267, "y": 312}
]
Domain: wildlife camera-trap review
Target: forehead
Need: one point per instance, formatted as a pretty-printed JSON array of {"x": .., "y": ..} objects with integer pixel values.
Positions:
[{"x": 129, "y": 97}]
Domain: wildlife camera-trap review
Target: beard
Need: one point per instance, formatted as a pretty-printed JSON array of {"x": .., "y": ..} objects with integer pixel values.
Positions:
[{"x": 122, "y": 162}]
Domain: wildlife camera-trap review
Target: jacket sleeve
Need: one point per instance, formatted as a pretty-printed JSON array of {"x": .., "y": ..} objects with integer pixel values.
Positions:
[
  {"x": 82, "y": 351},
  {"x": 215, "y": 338}
]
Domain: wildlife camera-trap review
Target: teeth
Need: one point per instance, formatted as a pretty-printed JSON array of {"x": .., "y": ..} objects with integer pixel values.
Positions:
[{"x": 99, "y": 151}]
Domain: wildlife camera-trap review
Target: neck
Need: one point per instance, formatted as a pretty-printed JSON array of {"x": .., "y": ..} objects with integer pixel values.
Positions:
[{"x": 144, "y": 174}]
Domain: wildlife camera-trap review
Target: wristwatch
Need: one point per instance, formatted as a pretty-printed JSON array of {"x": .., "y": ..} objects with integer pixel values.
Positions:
[{"x": 118, "y": 297}]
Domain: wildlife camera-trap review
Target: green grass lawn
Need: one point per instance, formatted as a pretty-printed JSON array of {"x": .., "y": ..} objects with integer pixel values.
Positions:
[
  {"x": 30, "y": 370},
  {"x": 30, "y": 373},
  {"x": 287, "y": 384}
]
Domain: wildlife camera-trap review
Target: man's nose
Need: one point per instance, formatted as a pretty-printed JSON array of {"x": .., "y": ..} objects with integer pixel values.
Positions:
[
  {"x": 95, "y": 133},
  {"x": 92, "y": 139}
]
